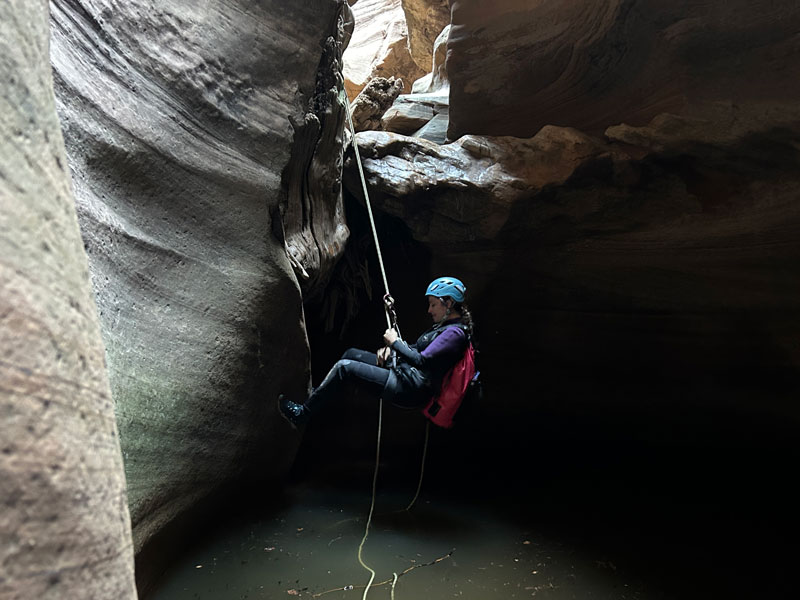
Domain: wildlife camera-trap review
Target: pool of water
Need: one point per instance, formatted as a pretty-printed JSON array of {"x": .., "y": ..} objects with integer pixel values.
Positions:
[
  {"x": 556, "y": 522},
  {"x": 440, "y": 549}
]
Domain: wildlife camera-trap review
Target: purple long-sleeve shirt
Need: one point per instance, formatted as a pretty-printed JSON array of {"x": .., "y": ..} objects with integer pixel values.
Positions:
[{"x": 438, "y": 356}]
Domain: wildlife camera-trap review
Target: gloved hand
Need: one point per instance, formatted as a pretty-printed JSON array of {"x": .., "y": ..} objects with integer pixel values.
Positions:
[{"x": 383, "y": 355}]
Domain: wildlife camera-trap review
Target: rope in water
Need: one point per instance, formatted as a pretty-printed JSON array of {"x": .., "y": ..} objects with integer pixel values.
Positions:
[{"x": 372, "y": 504}]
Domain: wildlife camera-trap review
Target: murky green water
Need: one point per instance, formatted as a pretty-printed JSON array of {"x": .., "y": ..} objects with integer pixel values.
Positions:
[{"x": 309, "y": 549}]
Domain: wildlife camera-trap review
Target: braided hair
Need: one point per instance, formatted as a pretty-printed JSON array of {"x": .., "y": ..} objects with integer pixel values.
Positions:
[{"x": 466, "y": 317}]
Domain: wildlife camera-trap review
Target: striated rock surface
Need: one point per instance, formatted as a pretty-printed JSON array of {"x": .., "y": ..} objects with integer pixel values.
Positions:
[
  {"x": 64, "y": 524},
  {"x": 425, "y": 20},
  {"x": 515, "y": 66},
  {"x": 370, "y": 105},
  {"x": 196, "y": 135},
  {"x": 379, "y": 46}
]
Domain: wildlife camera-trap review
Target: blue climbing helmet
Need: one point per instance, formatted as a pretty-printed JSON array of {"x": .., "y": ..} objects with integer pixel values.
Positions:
[{"x": 447, "y": 286}]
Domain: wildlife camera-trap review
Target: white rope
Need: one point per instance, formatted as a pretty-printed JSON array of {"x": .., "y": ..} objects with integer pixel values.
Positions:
[
  {"x": 389, "y": 324},
  {"x": 369, "y": 208},
  {"x": 372, "y": 504},
  {"x": 422, "y": 467}
]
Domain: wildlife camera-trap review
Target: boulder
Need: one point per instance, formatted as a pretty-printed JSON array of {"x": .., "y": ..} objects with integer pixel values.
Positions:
[
  {"x": 64, "y": 524},
  {"x": 198, "y": 137},
  {"x": 379, "y": 47},
  {"x": 406, "y": 117},
  {"x": 425, "y": 20},
  {"x": 410, "y": 112},
  {"x": 515, "y": 66}
]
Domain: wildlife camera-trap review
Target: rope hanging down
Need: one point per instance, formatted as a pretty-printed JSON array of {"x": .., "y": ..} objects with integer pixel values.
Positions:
[
  {"x": 389, "y": 309},
  {"x": 387, "y": 298},
  {"x": 391, "y": 321}
]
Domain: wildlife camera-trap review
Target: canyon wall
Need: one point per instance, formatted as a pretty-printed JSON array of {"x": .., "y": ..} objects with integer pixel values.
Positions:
[
  {"x": 516, "y": 65},
  {"x": 65, "y": 528},
  {"x": 204, "y": 142}
]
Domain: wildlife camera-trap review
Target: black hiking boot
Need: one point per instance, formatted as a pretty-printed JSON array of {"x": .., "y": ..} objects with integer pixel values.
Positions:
[{"x": 295, "y": 413}]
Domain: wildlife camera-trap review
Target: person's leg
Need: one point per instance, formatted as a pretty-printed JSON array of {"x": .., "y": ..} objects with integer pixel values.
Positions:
[
  {"x": 358, "y": 366},
  {"x": 368, "y": 358},
  {"x": 369, "y": 377}
]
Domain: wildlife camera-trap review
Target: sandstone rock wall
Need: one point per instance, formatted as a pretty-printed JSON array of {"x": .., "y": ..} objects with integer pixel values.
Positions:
[
  {"x": 379, "y": 47},
  {"x": 425, "y": 20},
  {"x": 191, "y": 130},
  {"x": 515, "y": 66},
  {"x": 65, "y": 529}
]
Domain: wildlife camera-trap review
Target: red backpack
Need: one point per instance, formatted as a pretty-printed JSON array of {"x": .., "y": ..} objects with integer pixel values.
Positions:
[{"x": 443, "y": 406}]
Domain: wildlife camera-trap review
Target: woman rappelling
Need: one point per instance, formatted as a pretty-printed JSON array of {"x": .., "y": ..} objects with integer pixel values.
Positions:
[{"x": 408, "y": 375}]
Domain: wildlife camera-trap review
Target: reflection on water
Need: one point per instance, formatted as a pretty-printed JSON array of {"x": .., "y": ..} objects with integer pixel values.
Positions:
[{"x": 309, "y": 549}]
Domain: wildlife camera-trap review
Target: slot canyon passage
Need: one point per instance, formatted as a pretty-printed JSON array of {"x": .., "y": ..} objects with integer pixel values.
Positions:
[{"x": 184, "y": 237}]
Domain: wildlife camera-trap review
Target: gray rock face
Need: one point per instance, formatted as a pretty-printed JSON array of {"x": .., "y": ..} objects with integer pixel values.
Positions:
[
  {"x": 64, "y": 525},
  {"x": 191, "y": 130},
  {"x": 515, "y": 66}
]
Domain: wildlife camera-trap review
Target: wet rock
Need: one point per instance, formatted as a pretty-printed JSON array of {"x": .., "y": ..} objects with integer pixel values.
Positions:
[
  {"x": 192, "y": 133},
  {"x": 379, "y": 47},
  {"x": 64, "y": 522},
  {"x": 370, "y": 105},
  {"x": 425, "y": 20},
  {"x": 515, "y": 66}
]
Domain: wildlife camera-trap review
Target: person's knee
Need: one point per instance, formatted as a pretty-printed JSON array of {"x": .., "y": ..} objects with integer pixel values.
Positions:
[
  {"x": 342, "y": 367},
  {"x": 350, "y": 354}
]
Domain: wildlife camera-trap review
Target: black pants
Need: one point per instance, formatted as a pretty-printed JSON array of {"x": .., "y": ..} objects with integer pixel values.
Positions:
[{"x": 355, "y": 366}]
